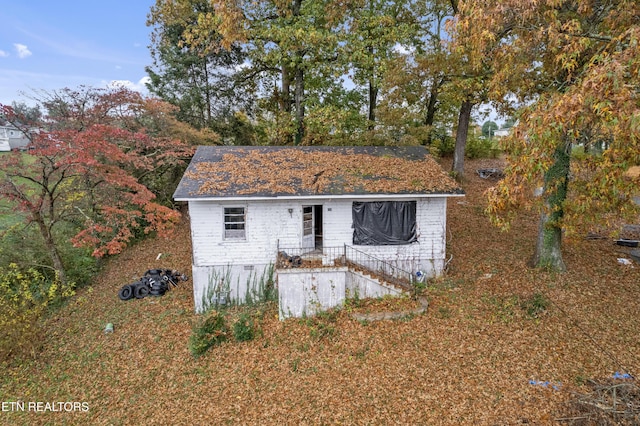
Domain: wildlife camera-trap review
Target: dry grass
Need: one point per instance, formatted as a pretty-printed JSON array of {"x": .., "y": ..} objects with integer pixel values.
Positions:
[{"x": 468, "y": 360}]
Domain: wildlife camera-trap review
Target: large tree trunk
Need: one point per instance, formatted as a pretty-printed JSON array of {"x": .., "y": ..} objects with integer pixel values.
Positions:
[
  {"x": 432, "y": 102},
  {"x": 461, "y": 139},
  {"x": 556, "y": 181}
]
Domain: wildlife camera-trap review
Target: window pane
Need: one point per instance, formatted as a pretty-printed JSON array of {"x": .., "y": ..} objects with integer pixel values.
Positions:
[
  {"x": 234, "y": 210},
  {"x": 234, "y": 221}
]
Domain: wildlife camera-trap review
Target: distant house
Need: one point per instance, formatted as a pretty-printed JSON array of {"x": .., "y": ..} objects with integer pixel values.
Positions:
[
  {"x": 331, "y": 221},
  {"x": 502, "y": 133},
  {"x": 12, "y": 138}
]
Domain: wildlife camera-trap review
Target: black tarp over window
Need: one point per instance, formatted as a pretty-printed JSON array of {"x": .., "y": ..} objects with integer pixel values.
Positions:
[{"x": 384, "y": 223}]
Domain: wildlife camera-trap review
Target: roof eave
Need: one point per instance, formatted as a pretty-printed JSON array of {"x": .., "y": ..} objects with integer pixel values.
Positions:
[{"x": 324, "y": 196}]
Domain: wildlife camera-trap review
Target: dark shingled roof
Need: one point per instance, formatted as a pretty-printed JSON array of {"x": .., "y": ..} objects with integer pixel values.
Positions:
[{"x": 277, "y": 171}]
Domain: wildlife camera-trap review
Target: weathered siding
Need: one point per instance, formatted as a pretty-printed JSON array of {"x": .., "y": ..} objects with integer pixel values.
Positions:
[
  {"x": 235, "y": 283},
  {"x": 308, "y": 291},
  {"x": 270, "y": 222},
  {"x": 427, "y": 255},
  {"x": 305, "y": 292},
  {"x": 266, "y": 223}
]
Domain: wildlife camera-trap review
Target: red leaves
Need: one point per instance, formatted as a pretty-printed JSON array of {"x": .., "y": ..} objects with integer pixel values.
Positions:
[{"x": 87, "y": 168}]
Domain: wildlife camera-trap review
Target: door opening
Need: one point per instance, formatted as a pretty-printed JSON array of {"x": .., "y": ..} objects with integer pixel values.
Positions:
[
  {"x": 317, "y": 223},
  {"x": 312, "y": 227}
]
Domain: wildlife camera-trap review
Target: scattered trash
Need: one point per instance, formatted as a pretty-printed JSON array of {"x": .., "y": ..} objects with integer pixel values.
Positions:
[
  {"x": 158, "y": 256},
  {"x": 618, "y": 375},
  {"x": 490, "y": 173},
  {"x": 554, "y": 386},
  {"x": 594, "y": 236},
  {"x": 289, "y": 261},
  {"x": 627, "y": 243},
  {"x": 108, "y": 328},
  {"x": 154, "y": 282},
  {"x": 623, "y": 261}
]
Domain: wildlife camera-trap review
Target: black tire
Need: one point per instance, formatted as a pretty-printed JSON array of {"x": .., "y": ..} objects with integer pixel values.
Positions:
[
  {"x": 161, "y": 288},
  {"x": 141, "y": 291},
  {"x": 125, "y": 293}
]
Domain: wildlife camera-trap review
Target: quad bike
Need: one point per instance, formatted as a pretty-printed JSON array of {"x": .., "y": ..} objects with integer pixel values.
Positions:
[{"x": 154, "y": 282}]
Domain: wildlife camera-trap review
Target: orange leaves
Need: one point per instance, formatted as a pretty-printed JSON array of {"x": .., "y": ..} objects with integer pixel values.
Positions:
[{"x": 294, "y": 171}]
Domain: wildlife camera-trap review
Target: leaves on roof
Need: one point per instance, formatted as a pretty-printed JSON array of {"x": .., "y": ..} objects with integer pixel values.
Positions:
[{"x": 296, "y": 171}]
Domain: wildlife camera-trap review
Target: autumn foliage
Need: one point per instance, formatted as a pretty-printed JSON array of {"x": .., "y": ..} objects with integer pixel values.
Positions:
[
  {"x": 90, "y": 165},
  {"x": 572, "y": 70}
]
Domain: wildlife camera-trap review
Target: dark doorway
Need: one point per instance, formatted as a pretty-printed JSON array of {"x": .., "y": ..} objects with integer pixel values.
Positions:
[{"x": 317, "y": 224}]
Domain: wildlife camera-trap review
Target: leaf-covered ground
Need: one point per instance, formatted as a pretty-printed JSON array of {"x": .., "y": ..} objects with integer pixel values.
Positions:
[{"x": 481, "y": 354}]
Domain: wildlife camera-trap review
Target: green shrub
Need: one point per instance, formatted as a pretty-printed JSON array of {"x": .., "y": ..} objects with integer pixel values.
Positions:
[
  {"x": 24, "y": 297},
  {"x": 536, "y": 305},
  {"x": 480, "y": 147},
  {"x": 210, "y": 331},
  {"x": 23, "y": 246},
  {"x": 243, "y": 328},
  {"x": 442, "y": 146}
]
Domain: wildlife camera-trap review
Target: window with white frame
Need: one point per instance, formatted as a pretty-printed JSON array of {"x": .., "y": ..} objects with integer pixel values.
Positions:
[{"x": 234, "y": 223}]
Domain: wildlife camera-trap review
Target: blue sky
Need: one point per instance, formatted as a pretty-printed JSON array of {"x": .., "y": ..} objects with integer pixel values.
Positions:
[{"x": 49, "y": 45}]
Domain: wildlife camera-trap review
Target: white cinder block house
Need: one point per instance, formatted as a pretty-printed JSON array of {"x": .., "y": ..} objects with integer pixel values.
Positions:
[{"x": 320, "y": 223}]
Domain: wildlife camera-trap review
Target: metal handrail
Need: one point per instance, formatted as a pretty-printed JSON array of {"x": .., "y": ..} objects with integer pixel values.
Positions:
[
  {"x": 381, "y": 268},
  {"x": 299, "y": 257}
]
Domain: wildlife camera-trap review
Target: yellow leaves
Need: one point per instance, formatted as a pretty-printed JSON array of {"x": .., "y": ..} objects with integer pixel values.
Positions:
[{"x": 24, "y": 295}]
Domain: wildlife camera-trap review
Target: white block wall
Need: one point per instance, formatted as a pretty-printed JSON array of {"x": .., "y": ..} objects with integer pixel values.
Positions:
[
  {"x": 307, "y": 292},
  {"x": 269, "y": 221}
]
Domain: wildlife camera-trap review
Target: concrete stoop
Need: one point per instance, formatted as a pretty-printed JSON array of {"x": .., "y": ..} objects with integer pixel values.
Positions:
[{"x": 379, "y": 316}]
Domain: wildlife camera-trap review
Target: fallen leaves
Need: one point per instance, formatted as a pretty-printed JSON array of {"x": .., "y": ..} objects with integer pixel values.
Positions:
[
  {"x": 468, "y": 360},
  {"x": 271, "y": 172}
]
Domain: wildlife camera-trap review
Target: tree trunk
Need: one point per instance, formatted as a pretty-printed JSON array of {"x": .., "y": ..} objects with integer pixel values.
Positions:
[
  {"x": 373, "y": 91},
  {"x": 299, "y": 82},
  {"x": 207, "y": 94},
  {"x": 556, "y": 181},
  {"x": 461, "y": 139},
  {"x": 373, "y": 100},
  {"x": 50, "y": 245},
  {"x": 285, "y": 104},
  {"x": 299, "y": 103},
  {"x": 431, "y": 108}
]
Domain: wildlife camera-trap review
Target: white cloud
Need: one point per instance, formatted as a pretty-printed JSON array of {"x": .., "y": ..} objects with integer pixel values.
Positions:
[
  {"x": 3, "y": 54},
  {"x": 403, "y": 50},
  {"x": 23, "y": 50},
  {"x": 140, "y": 86}
]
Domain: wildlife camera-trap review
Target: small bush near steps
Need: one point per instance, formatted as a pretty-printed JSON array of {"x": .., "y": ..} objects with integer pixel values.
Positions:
[
  {"x": 212, "y": 330},
  {"x": 243, "y": 328}
]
